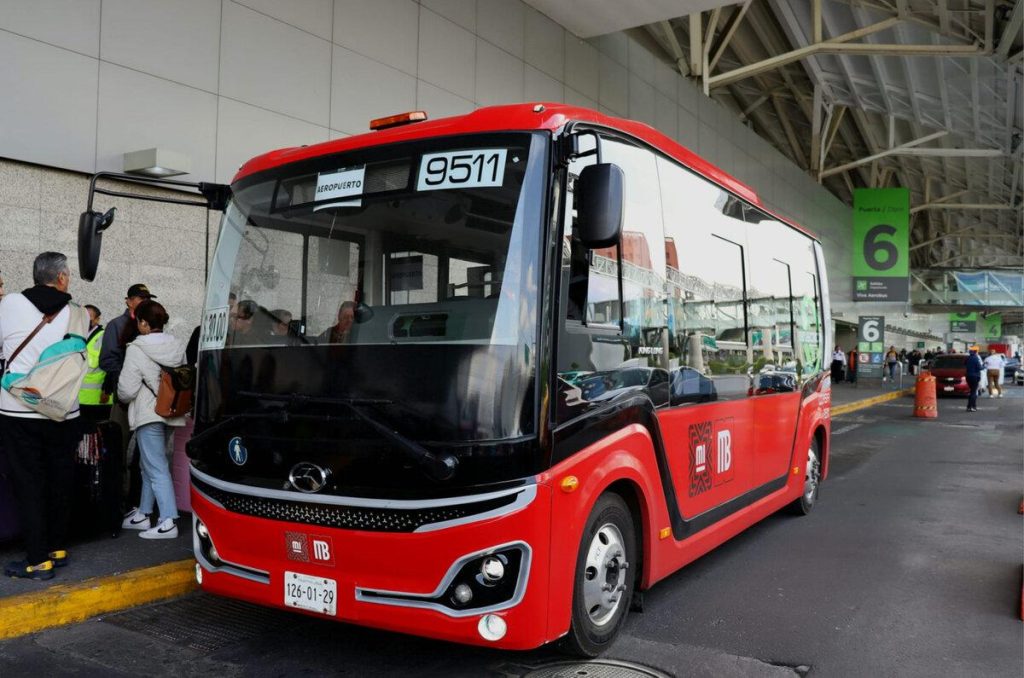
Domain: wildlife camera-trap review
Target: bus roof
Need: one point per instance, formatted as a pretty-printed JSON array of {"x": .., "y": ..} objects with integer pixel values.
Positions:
[{"x": 513, "y": 117}]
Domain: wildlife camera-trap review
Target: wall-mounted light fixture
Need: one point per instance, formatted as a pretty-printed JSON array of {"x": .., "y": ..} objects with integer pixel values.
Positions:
[{"x": 157, "y": 162}]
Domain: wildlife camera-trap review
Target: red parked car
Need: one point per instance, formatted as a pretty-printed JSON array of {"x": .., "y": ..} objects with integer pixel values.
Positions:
[{"x": 950, "y": 372}]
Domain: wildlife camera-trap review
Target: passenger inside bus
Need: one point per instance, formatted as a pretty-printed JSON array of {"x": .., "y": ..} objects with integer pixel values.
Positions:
[{"x": 338, "y": 332}]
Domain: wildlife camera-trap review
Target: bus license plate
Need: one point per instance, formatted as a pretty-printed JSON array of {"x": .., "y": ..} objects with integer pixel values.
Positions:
[
  {"x": 311, "y": 593},
  {"x": 947, "y": 388}
]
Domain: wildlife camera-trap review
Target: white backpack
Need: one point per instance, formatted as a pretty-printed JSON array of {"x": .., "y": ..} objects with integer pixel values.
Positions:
[{"x": 51, "y": 387}]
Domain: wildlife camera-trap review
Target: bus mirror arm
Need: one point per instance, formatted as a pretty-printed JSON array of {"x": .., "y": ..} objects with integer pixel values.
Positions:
[{"x": 91, "y": 223}]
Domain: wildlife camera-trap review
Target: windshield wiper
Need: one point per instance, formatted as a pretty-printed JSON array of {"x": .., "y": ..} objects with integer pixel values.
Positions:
[
  {"x": 439, "y": 467},
  {"x": 195, "y": 440}
]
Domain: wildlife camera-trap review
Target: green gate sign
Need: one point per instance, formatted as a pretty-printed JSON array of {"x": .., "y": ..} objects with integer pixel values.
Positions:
[
  {"x": 870, "y": 345},
  {"x": 963, "y": 322},
  {"x": 994, "y": 326},
  {"x": 881, "y": 248}
]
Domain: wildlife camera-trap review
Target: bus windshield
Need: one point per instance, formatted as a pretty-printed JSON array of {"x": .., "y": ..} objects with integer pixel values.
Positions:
[
  {"x": 430, "y": 238},
  {"x": 405, "y": 276}
]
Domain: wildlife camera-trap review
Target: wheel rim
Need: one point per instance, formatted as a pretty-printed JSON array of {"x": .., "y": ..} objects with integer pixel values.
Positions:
[
  {"x": 813, "y": 476},
  {"x": 604, "y": 576}
]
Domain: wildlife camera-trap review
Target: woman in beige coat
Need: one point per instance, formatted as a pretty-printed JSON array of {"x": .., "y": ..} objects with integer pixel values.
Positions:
[{"x": 138, "y": 386}]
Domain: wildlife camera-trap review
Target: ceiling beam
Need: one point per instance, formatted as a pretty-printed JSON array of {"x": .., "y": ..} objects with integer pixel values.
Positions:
[
  {"x": 674, "y": 47},
  {"x": 841, "y": 45},
  {"x": 953, "y": 152},
  {"x": 696, "y": 51},
  {"x": 964, "y": 206},
  {"x": 1010, "y": 31},
  {"x": 883, "y": 154},
  {"x": 778, "y": 60},
  {"x": 730, "y": 28},
  {"x": 936, "y": 201}
]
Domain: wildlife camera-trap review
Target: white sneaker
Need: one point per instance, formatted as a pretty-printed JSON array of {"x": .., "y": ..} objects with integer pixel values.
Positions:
[
  {"x": 135, "y": 521},
  {"x": 165, "y": 530}
]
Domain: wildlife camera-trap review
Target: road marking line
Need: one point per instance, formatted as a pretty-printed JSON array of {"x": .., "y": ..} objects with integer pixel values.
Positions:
[
  {"x": 845, "y": 429},
  {"x": 69, "y": 603},
  {"x": 839, "y": 410}
]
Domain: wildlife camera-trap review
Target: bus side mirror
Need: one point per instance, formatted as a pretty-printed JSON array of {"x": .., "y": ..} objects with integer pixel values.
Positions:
[
  {"x": 599, "y": 205},
  {"x": 90, "y": 237},
  {"x": 363, "y": 313}
]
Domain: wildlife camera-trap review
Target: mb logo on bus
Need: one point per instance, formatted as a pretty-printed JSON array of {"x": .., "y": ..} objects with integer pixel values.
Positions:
[{"x": 710, "y": 455}]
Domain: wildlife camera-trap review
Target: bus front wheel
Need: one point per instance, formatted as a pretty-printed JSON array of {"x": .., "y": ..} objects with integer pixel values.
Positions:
[
  {"x": 812, "y": 481},
  {"x": 604, "y": 579}
]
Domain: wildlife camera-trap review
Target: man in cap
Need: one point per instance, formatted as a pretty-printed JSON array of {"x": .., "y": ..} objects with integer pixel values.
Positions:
[{"x": 120, "y": 331}]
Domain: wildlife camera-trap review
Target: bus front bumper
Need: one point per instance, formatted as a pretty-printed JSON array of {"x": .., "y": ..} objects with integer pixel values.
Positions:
[{"x": 409, "y": 582}]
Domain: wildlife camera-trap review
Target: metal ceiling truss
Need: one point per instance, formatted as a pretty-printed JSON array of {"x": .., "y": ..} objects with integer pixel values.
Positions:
[{"x": 914, "y": 93}]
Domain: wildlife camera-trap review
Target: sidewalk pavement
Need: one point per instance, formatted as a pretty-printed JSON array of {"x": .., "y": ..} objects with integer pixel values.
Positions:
[
  {"x": 105, "y": 575},
  {"x": 102, "y": 575}
]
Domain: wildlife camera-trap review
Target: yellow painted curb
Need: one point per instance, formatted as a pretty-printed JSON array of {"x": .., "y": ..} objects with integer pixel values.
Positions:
[
  {"x": 69, "y": 603},
  {"x": 840, "y": 410}
]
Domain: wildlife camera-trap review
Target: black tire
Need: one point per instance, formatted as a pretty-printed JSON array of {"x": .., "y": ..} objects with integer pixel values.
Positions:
[
  {"x": 594, "y": 627},
  {"x": 812, "y": 482}
]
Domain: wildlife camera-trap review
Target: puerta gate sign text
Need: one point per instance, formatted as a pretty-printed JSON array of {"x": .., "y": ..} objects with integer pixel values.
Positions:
[
  {"x": 870, "y": 345},
  {"x": 881, "y": 256}
]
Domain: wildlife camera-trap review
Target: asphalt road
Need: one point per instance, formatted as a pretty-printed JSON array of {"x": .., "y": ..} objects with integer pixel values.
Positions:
[{"x": 909, "y": 566}]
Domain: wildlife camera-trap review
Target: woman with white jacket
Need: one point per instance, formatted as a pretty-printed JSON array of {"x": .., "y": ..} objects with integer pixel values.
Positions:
[{"x": 138, "y": 385}]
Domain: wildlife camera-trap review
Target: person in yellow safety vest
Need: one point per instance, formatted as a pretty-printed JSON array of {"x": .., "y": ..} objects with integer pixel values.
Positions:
[{"x": 94, "y": 403}]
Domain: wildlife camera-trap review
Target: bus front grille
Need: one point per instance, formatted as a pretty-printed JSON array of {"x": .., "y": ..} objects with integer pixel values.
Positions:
[{"x": 349, "y": 517}]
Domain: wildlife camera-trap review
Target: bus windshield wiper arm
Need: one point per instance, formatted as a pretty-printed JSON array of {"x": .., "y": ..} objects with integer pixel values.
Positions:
[{"x": 439, "y": 467}]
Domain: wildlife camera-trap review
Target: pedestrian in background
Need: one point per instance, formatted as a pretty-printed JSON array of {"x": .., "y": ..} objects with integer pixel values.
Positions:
[
  {"x": 95, "y": 404},
  {"x": 838, "y": 358},
  {"x": 994, "y": 364},
  {"x": 974, "y": 367},
  {"x": 138, "y": 386},
  {"x": 41, "y": 451},
  {"x": 891, "y": 359}
]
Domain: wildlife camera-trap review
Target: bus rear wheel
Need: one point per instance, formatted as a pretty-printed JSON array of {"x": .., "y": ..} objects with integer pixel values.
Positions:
[{"x": 604, "y": 579}]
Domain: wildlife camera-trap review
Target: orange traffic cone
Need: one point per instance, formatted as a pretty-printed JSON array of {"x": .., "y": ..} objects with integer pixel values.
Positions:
[{"x": 924, "y": 397}]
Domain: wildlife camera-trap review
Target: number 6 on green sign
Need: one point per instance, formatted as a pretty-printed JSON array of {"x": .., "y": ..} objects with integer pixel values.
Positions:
[{"x": 880, "y": 255}]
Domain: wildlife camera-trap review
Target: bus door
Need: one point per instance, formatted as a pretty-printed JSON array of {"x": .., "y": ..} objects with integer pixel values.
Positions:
[{"x": 784, "y": 324}]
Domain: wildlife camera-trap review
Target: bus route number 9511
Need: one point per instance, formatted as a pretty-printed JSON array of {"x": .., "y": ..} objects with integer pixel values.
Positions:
[{"x": 462, "y": 169}]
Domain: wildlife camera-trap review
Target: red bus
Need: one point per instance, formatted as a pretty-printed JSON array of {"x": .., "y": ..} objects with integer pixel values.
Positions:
[{"x": 487, "y": 378}]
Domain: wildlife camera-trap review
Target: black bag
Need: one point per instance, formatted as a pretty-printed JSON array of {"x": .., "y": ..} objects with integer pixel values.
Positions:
[{"x": 97, "y": 492}]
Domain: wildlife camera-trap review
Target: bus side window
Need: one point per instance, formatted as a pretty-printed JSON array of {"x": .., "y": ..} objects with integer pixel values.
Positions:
[{"x": 705, "y": 237}]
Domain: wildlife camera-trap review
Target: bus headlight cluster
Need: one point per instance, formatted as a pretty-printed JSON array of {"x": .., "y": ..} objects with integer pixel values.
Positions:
[
  {"x": 205, "y": 544},
  {"x": 485, "y": 581}
]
